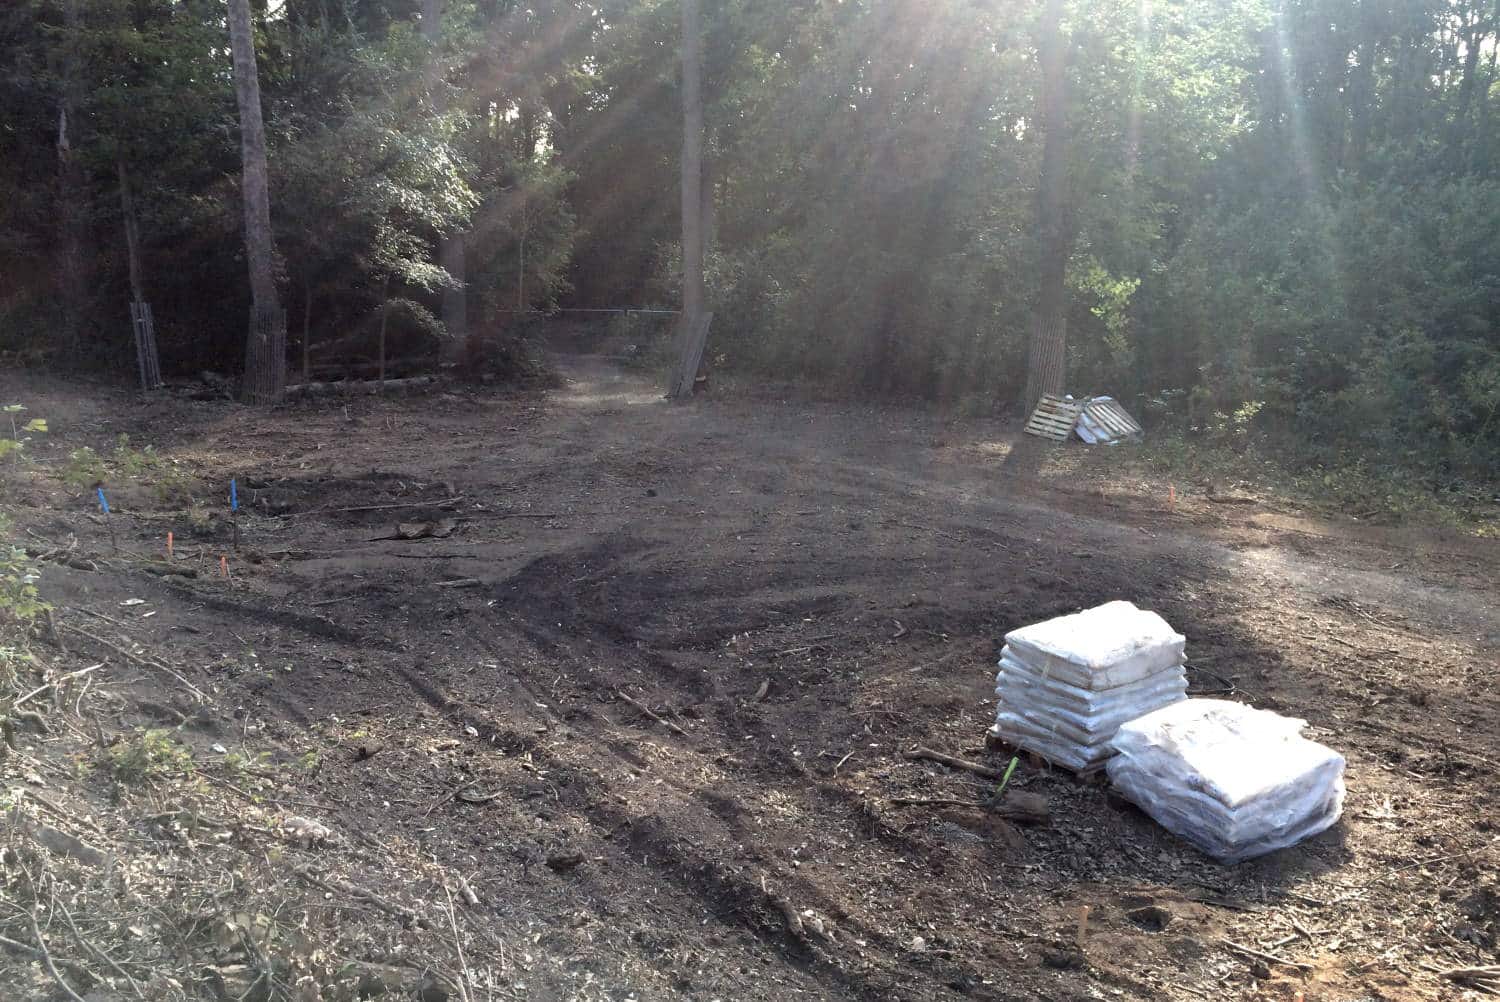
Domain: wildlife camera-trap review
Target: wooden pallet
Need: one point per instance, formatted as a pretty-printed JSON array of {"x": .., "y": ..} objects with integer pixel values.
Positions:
[
  {"x": 1104, "y": 421},
  {"x": 1054, "y": 418}
]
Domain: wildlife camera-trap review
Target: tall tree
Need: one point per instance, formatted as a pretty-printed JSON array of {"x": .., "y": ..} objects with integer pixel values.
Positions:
[
  {"x": 72, "y": 186},
  {"x": 692, "y": 197},
  {"x": 265, "y": 348},
  {"x": 1047, "y": 357},
  {"x": 452, "y": 255}
]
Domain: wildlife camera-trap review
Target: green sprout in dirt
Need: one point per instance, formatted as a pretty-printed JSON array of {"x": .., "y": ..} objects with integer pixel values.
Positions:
[
  {"x": 1005, "y": 779},
  {"x": 20, "y": 602},
  {"x": 19, "y": 434},
  {"x": 147, "y": 756}
]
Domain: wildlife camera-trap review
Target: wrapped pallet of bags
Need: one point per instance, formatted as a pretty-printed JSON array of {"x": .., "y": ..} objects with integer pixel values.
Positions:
[
  {"x": 1067, "y": 684},
  {"x": 1235, "y": 781}
]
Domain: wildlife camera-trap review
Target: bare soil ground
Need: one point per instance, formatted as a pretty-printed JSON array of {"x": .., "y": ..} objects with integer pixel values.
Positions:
[{"x": 797, "y": 593}]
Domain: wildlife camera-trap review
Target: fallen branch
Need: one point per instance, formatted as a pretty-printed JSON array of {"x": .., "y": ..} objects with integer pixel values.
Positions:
[
  {"x": 99, "y": 954},
  {"x": 1482, "y": 979},
  {"x": 46, "y": 958},
  {"x": 458, "y": 945},
  {"x": 1231, "y": 499},
  {"x": 58, "y": 682},
  {"x": 1270, "y": 958},
  {"x": 354, "y": 890},
  {"x": 58, "y": 841},
  {"x": 927, "y": 754},
  {"x": 801, "y": 925},
  {"x": 441, "y": 503},
  {"x": 458, "y": 583},
  {"x": 648, "y": 712},
  {"x": 365, "y": 386},
  {"x": 144, "y": 662},
  {"x": 16, "y": 946}
]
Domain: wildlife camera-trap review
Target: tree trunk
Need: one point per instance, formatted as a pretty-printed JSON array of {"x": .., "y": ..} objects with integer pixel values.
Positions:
[
  {"x": 307, "y": 330},
  {"x": 692, "y": 194},
  {"x": 1486, "y": 104},
  {"x": 385, "y": 314},
  {"x": 521, "y": 267},
  {"x": 265, "y": 349},
  {"x": 132, "y": 235},
  {"x": 710, "y": 214},
  {"x": 455, "y": 304},
  {"x": 72, "y": 192},
  {"x": 1460, "y": 133},
  {"x": 1046, "y": 363}
]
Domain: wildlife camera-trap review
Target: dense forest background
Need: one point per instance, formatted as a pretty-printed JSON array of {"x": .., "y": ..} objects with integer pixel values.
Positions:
[{"x": 1281, "y": 217}]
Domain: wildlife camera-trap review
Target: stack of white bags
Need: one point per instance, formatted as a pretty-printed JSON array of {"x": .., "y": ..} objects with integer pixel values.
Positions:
[
  {"x": 1066, "y": 685},
  {"x": 1107, "y": 685},
  {"x": 1235, "y": 781}
]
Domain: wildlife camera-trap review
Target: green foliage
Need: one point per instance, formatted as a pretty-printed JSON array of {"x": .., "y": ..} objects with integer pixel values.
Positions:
[
  {"x": 85, "y": 468},
  {"x": 235, "y": 762},
  {"x": 1289, "y": 206},
  {"x": 167, "y": 478},
  {"x": 20, "y": 434},
  {"x": 20, "y": 602},
  {"x": 146, "y": 756}
]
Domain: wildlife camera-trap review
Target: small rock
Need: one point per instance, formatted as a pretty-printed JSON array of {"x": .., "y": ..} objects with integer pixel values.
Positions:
[
  {"x": 564, "y": 862},
  {"x": 219, "y": 749},
  {"x": 306, "y": 830},
  {"x": 1063, "y": 958}
]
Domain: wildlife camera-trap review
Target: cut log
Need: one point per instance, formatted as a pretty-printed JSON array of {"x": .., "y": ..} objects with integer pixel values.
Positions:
[{"x": 356, "y": 387}]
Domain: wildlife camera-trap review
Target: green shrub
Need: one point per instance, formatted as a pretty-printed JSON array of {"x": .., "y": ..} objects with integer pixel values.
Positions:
[{"x": 146, "y": 756}]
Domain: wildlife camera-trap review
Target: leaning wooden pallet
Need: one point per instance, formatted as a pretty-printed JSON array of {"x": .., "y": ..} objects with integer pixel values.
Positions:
[{"x": 1054, "y": 418}]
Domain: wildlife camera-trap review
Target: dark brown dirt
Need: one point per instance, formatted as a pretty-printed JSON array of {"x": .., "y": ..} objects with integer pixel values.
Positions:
[{"x": 803, "y": 591}]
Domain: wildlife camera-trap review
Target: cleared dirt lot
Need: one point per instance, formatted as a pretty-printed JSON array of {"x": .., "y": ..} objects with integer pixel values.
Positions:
[{"x": 798, "y": 593}]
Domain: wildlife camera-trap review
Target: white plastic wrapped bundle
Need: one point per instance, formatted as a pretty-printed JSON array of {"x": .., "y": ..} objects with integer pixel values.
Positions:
[
  {"x": 1066, "y": 685},
  {"x": 1236, "y": 781},
  {"x": 1105, "y": 647}
]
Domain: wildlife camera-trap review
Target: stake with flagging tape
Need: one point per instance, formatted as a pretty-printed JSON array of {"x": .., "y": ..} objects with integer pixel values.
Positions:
[
  {"x": 223, "y": 566},
  {"x": 169, "y": 544},
  {"x": 234, "y": 512},
  {"x": 109, "y": 522}
]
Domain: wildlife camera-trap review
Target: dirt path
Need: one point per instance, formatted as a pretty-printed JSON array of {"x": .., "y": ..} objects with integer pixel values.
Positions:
[{"x": 799, "y": 592}]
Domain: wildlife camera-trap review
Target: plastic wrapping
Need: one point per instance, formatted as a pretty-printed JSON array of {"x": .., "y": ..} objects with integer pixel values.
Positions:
[
  {"x": 1066, "y": 685},
  {"x": 1236, "y": 781},
  {"x": 1111, "y": 645}
]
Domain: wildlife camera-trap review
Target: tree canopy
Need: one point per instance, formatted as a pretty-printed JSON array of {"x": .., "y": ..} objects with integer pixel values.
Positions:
[{"x": 1280, "y": 215}]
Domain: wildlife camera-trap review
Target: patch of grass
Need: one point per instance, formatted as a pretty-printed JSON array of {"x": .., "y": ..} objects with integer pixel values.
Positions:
[
  {"x": 235, "y": 762},
  {"x": 147, "y": 756},
  {"x": 1356, "y": 489}
]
